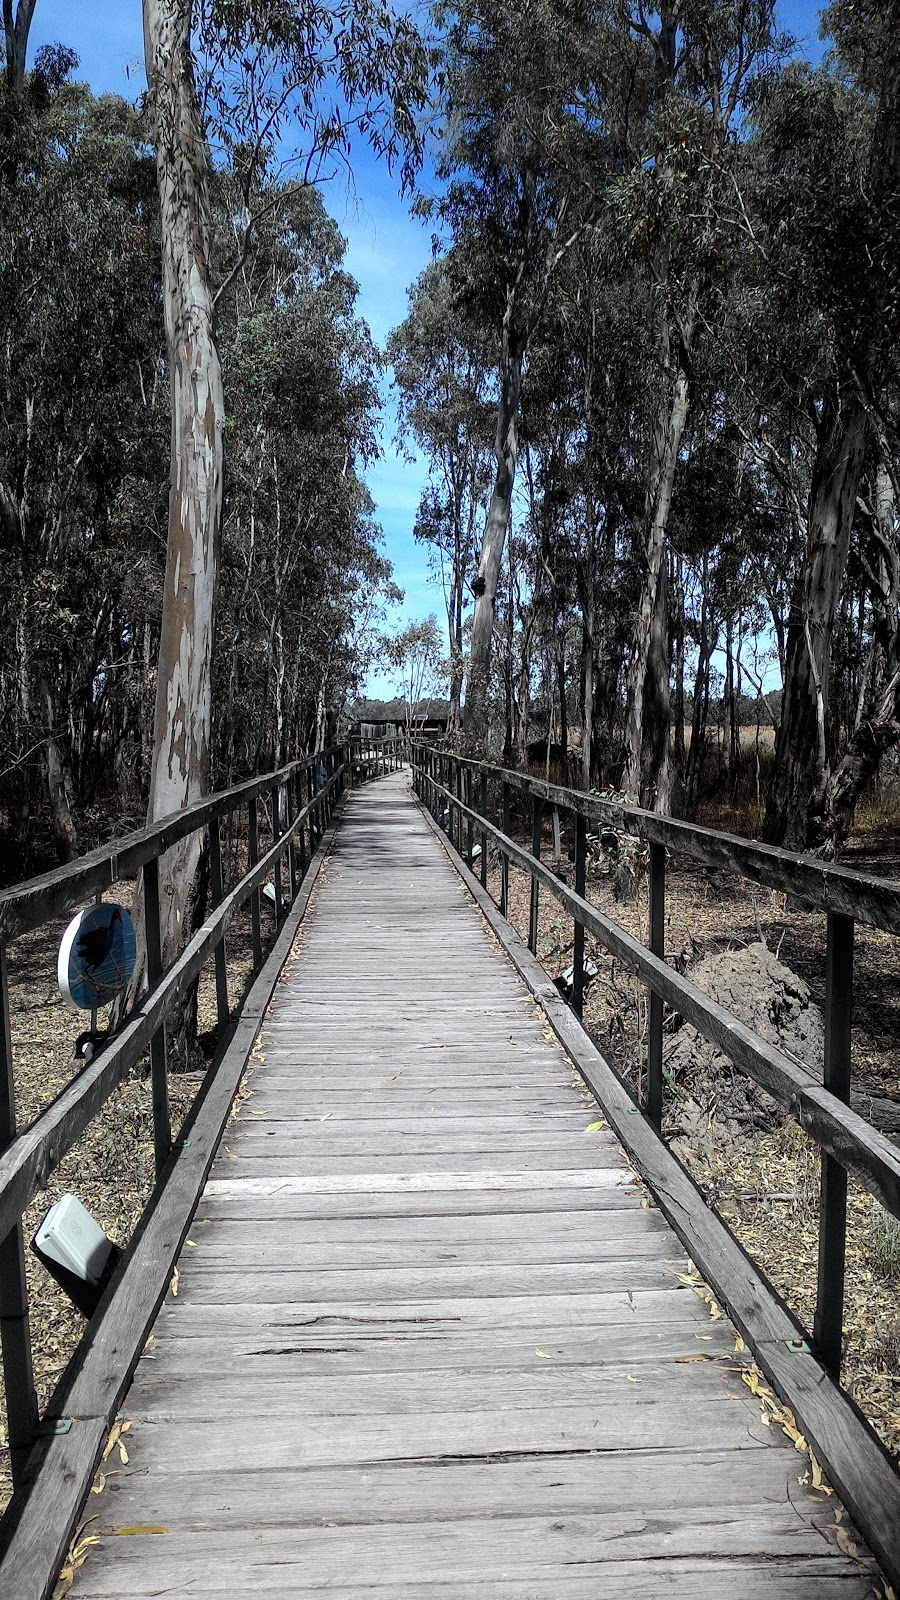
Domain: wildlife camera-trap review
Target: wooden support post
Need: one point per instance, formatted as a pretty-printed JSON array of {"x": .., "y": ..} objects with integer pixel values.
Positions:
[
  {"x": 828, "y": 1326},
  {"x": 276, "y": 834},
  {"x": 654, "y": 1100},
  {"x": 217, "y": 890},
  {"x": 578, "y": 931},
  {"x": 557, "y": 841},
  {"x": 482, "y": 806},
  {"x": 252, "y": 858},
  {"x": 15, "y": 1334},
  {"x": 301, "y": 831},
  {"x": 505, "y": 825},
  {"x": 537, "y": 813},
  {"x": 159, "y": 1082},
  {"x": 470, "y": 826},
  {"x": 291, "y": 851}
]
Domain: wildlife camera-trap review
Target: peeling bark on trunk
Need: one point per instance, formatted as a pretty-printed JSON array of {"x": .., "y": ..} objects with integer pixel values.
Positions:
[
  {"x": 657, "y": 717},
  {"x": 797, "y": 794},
  {"x": 668, "y": 434},
  {"x": 506, "y": 447},
  {"x": 17, "y": 30},
  {"x": 183, "y": 714},
  {"x": 877, "y": 727},
  {"x": 58, "y": 776}
]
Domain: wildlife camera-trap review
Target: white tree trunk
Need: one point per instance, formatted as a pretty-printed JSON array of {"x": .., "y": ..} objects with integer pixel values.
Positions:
[
  {"x": 506, "y": 445},
  {"x": 183, "y": 714},
  {"x": 668, "y": 434}
]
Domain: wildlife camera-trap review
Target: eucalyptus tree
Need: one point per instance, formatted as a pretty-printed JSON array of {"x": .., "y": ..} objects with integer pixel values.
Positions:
[
  {"x": 443, "y": 375},
  {"x": 825, "y": 221},
  {"x": 521, "y": 162},
  {"x": 274, "y": 73},
  {"x": 82, "y": 432},
  {"x": 699, "y": 63},
  {"x": 301, "y": 380}
]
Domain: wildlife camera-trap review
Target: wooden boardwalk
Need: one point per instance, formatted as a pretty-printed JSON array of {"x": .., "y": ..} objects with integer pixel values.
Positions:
[{"x": 429, "y": 1339}]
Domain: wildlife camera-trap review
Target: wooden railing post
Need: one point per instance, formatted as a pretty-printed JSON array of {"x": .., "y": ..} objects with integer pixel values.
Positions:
[
  {"x": 276, "y": 835},
  {"x": 159, "y": 1082},
  {"x": 828, "y": 1326},
  {"x": 286, "y": 789},
  {"x": 578, "y": 929},
  {"x": 15, "y": 1333},
  {"x": 654, "y": 1101},
  {"x": 505, "y": 824},
  {"x": 252, "y": 858},
  {"x": 470, "y": 826},
  {"x": 482, "y": 806},
  {"x": 217, "y": 890},
  {"x": 537, "y": 813},
  {"x": 301, "y": 831}
]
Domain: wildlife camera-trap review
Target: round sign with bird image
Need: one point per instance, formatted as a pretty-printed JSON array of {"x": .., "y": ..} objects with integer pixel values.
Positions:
[{"x": 96, "y": 957}]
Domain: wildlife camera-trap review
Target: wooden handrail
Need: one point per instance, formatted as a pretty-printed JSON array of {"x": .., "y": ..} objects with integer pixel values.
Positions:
[
  {"x": 821, "y": 884},
  {"x": 874, "y": 1159},
  {"x": 27, "y": 1158},
  {"x": 848, "y": 1142},
  {"x": 804, "y": 1366},
  {"x": 29, "y": 904}
]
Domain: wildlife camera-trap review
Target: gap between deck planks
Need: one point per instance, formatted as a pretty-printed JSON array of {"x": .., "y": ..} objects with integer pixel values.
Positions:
[{"x": 429, "y": 1339}]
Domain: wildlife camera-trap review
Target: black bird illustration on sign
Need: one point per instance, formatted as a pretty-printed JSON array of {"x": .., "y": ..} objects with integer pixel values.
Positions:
[{"x": 95, "y": 945}]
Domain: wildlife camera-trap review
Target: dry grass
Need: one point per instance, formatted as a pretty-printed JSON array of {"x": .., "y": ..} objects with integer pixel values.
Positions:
[{"x": 765, "y": 1184}]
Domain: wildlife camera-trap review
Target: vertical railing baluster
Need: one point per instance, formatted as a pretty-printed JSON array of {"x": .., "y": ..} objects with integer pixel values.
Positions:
[
  {"x": 291, "y": 849},
  {"x": 252, "y": 859},
  {"x": 276, "y": 835},
  {"x": 483, "y": 805},
  {"x": 828, "y": 1325},
  {"x": 470, "y": 826},
  {"x": 537, "y": 813},
  {"x": 159, "y": 1081},
  {"x": 217, "y": 890},
  {"x": 506, "y": 824},
  {"x": 301, "y": 831},
  {"x": 654, "y": 1101},
  {"x": 15, "y": 1334},
  {"x": 578, "y": 931}
]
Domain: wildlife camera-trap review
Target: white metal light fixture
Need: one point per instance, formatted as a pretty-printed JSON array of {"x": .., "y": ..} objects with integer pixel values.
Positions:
[{"x": 76, "y": 1252}]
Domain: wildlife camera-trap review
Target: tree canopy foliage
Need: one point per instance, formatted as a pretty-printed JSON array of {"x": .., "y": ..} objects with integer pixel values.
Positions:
[{"x": 670, "y": 260}]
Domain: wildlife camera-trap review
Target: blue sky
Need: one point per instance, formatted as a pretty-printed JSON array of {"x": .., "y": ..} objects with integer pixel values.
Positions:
[{"x": 387, "y": 248}]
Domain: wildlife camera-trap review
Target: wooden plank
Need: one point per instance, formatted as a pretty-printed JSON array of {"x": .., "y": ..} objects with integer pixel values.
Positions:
[
  {"x": 464, "y": 1551},
  {"x": 751, "y": 1578},
  {"x": 404, "y": 1493}
]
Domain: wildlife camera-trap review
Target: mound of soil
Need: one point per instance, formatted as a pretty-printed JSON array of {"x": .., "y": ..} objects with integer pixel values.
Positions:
[{"x": 776, "y": 1003}]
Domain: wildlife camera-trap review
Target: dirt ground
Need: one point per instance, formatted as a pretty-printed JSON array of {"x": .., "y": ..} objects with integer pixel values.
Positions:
[{"x": 764, "y": 1182}]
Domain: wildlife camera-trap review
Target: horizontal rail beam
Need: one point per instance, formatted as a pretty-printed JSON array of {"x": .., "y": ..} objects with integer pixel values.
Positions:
[
  {"x": 821, "y": 884},
  {"x": 29, "y": 904},
  {"x": 837, "y": 1129}
]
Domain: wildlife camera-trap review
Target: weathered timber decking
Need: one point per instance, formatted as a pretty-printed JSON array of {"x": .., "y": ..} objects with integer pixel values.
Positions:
[{"x": 428, "y": 1339}]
